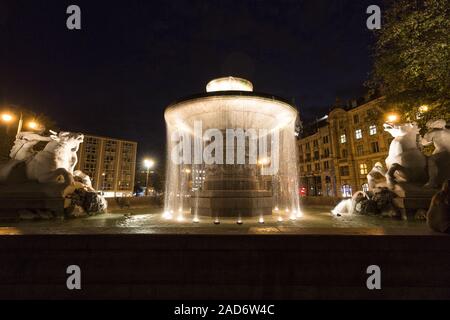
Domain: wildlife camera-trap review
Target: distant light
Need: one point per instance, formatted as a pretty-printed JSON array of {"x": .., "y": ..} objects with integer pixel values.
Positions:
[
  {"x": 392, "y": 117},
  {"x": 33, "y": 125},
  {"x": 423, "y": 109},
  {"x": 7, "y": 117},
  {"x": 280, "y": 219},
  {"x": 149, "y": 163}
]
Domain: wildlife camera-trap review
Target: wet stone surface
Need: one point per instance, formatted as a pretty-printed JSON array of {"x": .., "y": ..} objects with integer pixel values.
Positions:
[{"x": 315, "y": 220}]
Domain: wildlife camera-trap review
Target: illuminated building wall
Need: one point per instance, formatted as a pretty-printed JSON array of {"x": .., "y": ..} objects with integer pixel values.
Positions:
[
  {"x": 337, "y": 151},
  {"x": 110, "y": 163}
]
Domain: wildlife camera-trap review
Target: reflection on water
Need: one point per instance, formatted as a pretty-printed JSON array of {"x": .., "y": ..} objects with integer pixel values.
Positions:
[{"x": 315, "y": 221}]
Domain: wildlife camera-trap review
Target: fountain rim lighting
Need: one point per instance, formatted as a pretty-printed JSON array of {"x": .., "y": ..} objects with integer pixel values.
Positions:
[{"x": 231, "y": 94}]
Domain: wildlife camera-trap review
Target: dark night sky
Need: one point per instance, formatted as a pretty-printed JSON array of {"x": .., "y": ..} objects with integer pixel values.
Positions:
[{"x": 133, "y": 58}]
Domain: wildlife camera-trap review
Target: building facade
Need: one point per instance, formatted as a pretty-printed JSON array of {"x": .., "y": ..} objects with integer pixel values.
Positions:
[
  {"x": 111, "y": 164},
  {"x": 337, "y": 151}
]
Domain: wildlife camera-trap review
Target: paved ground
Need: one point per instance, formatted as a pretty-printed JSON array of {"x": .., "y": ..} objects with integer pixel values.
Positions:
[{"x": 316, "y": 220}]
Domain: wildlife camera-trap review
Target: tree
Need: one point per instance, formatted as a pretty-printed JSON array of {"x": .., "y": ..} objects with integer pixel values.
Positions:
[{"x": 412, "y": 59}]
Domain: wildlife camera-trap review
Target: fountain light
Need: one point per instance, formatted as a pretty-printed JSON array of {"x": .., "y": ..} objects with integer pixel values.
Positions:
[
  {"x": 261, "y": 220},
  {"x": 216, "y": 221},
  {"x": 239, "y": 221},
  {"x": 280, "y": 219},
  {"x": 167, "y": 215},
  {"x": 299, "y": 213},
  {"x": 180, "y": 218},
  {"x": 276, "y": 209},
  {"x": 195, "y": 220}
]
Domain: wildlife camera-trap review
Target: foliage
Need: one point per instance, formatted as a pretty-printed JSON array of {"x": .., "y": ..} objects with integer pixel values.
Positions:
[{"x": 412, "y": 59}]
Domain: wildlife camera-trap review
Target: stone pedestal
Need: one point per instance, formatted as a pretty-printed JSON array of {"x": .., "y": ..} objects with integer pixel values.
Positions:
[
  {"x": 412, "y": 197},
  {"x": 15, "y": 198},
  {"x": 233, "y": 190}
]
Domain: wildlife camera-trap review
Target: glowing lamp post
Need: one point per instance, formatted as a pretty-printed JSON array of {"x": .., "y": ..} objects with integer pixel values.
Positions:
[
  {"x": 148, "y": 164},
  {"x": 392, "y": 117}
]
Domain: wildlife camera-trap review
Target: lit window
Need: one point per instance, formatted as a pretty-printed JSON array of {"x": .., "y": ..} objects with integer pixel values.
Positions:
[
  {"x": 343, "y": 138},
  {"x": 363, "y": 168},
  {"x": 358, "y": 134},
  {"x": 346, "y": 191},
  {"x": 365, "y": 187},
  {"x": 372, "y": 130}
]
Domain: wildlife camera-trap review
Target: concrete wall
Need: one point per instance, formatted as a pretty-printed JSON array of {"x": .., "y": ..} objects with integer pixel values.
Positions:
[{"x": 158, "y": 266}]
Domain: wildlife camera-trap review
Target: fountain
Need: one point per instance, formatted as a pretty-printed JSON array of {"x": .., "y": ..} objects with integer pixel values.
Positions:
[{"x": 231, "y": 153}]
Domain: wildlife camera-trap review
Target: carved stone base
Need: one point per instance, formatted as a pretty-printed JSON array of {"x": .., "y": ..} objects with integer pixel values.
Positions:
[
  {"x": 412, "y": 197},
  {"x": 230, "y": 203},
  {"x": 15, "y": 198}
]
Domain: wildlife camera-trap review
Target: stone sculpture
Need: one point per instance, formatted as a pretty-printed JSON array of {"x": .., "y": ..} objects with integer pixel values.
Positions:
[
  {"x": 47, "y": 175},
  {"x": 405, "y": 162},
  {"x": 439, "y": 161},
  {"x": 399, "y": 189}
]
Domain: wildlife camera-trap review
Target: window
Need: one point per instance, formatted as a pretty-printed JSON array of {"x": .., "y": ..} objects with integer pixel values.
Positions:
[
  {"x": 363, "y": 168},
  {"x": 343, "y": 138},
  {"x": 344, "y": 171},
  {"x": 308, "y": 167},
  {"x": 346, "y": 191},
  {"x": 374, "y": 147},
  {"x": 317, "y": 166},
  {"x": 344, "y": 153},
  {"x": 358, "y": 134},
  {"x": 307, "y": 146},
  {"x": 372, "y": 130},
  {"x": 326, "y": 165},
  {"x": 308, "y": 157},
  {"x": 316, "y": 155},
  {"x": 356, "y": 119},
  {"x": 326, "y": 153},
  {"x": 360, "y": 150},
  {"x": 325, "y": 139},
  {"x": 315, "y": 143}
]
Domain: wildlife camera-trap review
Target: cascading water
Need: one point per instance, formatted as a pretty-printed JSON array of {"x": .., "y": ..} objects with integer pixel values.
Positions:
[{"x": 231, "y": 153}]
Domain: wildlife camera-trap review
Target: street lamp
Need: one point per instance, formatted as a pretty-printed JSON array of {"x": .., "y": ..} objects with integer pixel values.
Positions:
[
  {"x": 148, "y": 164},
  {"x": 392, "y": 117},
  {"x": 7, "y": 117}
]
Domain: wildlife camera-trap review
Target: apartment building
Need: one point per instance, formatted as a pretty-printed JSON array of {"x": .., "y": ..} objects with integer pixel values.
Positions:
[
  {"x": 337, "y": 151},
  {"x": 111, "y": 164}
]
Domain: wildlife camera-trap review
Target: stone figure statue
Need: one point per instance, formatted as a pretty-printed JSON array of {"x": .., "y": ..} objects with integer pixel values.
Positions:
[
  {"x": 24, "y": 143},
  {"x": 439, "y": 161},
  {"x": 377, "y": 177},
  {"x": 49, "y": 173},
  {"x": 405, "y": 162},
  {"x": 57, "y": 159},
  {"x": 438, "y": 215}
]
